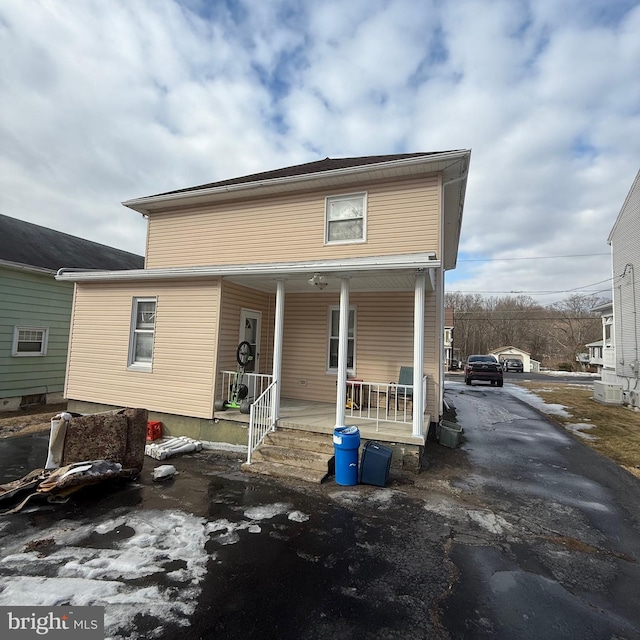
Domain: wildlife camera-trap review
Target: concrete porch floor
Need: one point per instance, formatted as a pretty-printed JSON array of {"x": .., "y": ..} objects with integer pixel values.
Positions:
[{"x": 320, "y": 417}]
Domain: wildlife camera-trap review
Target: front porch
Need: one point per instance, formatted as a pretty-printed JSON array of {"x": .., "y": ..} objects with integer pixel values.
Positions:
[{"x": 320, "y": 417}]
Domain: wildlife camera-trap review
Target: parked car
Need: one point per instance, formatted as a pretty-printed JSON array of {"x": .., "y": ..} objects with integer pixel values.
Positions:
[
  {"x": 513, "y": 364},
  {"x": 481, "y": 367}
]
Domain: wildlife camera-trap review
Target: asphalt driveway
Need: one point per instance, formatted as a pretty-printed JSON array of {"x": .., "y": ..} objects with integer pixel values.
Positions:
[{"x": 521, "y": 532}]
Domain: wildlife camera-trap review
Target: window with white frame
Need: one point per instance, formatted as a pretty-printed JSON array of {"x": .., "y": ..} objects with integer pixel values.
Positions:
[
  {"x": 30, "y": 341},
  {"x": 334, "y": 337},
  {"x": 346, "y": 218},
  {"x": 143, "y": 324}
]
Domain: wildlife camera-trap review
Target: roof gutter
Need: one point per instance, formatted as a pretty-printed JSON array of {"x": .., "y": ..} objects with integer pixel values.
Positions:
[
  {"x": 141, "y": 204},
  {"x": 419, "y": 261},
  {"x": 19, "y": 266}
]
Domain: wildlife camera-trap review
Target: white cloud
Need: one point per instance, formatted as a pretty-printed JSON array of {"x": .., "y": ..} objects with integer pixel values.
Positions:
[{"x": 102, "y": 102}]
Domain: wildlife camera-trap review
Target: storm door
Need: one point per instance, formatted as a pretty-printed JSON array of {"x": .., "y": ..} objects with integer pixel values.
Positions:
[{"x": 250, "y": 322}]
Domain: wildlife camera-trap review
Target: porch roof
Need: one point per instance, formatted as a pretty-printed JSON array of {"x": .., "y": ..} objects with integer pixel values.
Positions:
[{"x": 393, "y": 272}]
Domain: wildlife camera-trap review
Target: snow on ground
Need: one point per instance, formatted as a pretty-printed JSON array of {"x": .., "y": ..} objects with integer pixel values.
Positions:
[
  {"x": 579, "y": 429},
  {"x": 102, "y": 563},
  {"x": 577, "y": 374},
  {"x": 537, "y": 402}
]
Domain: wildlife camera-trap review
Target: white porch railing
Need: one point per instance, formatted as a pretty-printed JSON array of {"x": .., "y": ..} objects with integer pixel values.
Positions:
[
  {"x": 256, "y": 383},
  {"x": 261, "y": 419},
  {"x": 382, "y": 401}
]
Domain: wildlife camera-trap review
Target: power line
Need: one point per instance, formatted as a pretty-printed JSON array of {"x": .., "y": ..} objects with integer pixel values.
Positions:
[
  {"x": 574, "y": 255},
  {"x": 545, "y": 292}
]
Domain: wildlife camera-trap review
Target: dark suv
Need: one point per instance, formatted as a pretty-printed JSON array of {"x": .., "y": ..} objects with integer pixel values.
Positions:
[
  {"x": 513, "y": 365},
  {"x": 483, "y": 368}
]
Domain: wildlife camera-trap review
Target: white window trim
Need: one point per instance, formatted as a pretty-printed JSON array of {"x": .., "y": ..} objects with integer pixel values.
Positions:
[
  {"x": 27, "y": 354},
  {"x": 132, "y": 365},
  {"x": 350, "y": 370},
  {"x": 328, "y": 199}
]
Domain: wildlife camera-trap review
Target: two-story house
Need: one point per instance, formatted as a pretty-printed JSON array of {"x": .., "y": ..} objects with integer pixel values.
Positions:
[{"x": 329, "y": 273}]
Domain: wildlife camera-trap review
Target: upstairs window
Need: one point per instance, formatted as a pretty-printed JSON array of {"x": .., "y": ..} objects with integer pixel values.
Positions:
[
  {"x": 30, "y": 341},
  {"x": 143, "y": 325},
  {"x": 346, "y": 218}
]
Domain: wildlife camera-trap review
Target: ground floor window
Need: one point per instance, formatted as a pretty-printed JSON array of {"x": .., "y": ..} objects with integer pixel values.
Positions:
[
  {"x": 143, "y": 324},
  {"x": 334, "y": 336},
  {"x": 30, "y": 341}
]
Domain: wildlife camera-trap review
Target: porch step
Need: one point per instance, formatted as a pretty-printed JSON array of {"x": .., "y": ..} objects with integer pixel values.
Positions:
[
  {"x": 279, "y": 470},
  {"x": 305, "y": 440},
  {"x": 294, "y": 454}
]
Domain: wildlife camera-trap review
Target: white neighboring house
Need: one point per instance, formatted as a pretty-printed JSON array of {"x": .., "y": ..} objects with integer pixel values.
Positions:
[
  {"x": 513, "y": 353},
  {"x": 595, "y": 355},
  {"x": 602, "y": 353},
  {"x": 622, "y": 374}
]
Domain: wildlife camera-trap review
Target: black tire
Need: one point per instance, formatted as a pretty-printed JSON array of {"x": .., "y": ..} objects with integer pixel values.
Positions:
[
  {"x": 242, "y": 392},
  {"x": 467, "y": 381},
  {"x": 493, "y": 383},
  {"x": 244, "y": 354},
  {"x": 245, "y": 406},
  {"x": 500, "y": 383},
  {"x": 220, "y": 405}
]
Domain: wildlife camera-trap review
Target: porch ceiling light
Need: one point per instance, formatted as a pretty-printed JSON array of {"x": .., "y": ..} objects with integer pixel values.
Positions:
[{"x": 318, "y": 281}]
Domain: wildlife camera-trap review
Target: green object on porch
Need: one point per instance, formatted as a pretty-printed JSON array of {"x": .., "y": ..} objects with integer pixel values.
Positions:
[{"x": 449, "y": 434}]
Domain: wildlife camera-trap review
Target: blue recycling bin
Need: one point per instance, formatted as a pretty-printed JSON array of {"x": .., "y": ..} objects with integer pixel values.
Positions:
[{"x": 346, "y": 442}]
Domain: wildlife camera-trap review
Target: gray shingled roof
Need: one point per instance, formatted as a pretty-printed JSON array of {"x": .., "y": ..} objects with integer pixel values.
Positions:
[
  {"x": 30, "y": 244},
  {"x": 328, "y": 164}
]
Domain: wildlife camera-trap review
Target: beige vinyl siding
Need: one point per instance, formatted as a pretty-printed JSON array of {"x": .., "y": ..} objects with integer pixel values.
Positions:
[
  {"x": 184, "y": 353},
  {"x": 384, "y": 342},
  {"x": 402, "y": 217},
  {"x": 234, "y": 299}
]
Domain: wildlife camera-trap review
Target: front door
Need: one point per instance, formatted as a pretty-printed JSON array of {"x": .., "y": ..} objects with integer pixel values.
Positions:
[{"x": 250, "y": 322}]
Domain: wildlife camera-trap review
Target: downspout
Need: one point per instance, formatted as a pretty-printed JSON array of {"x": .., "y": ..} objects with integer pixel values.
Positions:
[
  {"x": 440, "y": 288},
  {"x": 634, "y": 364}
]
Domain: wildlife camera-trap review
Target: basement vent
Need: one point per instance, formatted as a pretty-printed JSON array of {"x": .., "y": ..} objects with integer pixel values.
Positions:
[
  {"x": 607, "y": 393},
  {"x": 32, "y": 400}
]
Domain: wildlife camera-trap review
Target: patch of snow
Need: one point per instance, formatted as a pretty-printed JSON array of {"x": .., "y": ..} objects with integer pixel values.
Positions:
[
  {"x": 266, "y": 512},
  {"x": 487, "y": 520},
  {"x": 579, "y": 429},
  {"x": 573, "y": 374},
  {"x": 380, "y": 497},
  {"x": 298, "y": 516},
  {"x": 138, "y": 544},
  {"x": 537, "y": 402},
  {"x": 79, "y": 575}
]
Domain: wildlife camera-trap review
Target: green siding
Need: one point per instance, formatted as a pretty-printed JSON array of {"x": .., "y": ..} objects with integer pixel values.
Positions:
[{"x": 38, "y": 300}]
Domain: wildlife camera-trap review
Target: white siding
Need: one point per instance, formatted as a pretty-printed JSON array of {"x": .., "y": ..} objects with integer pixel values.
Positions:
[{"x": 625, "y": 246}]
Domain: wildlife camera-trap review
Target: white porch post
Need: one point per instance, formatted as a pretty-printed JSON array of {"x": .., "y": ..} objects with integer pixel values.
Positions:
[
  {"x": 278, "y": 334},
  {"x": 343, "y": 345},
  {"x": 418, "y": 353}
]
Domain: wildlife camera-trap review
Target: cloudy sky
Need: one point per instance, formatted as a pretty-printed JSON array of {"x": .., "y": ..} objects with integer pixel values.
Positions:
[{"x": 106, "y": 100}]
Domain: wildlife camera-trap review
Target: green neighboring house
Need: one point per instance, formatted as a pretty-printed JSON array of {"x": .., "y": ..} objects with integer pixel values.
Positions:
[{"x": 35, "y": 308}]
